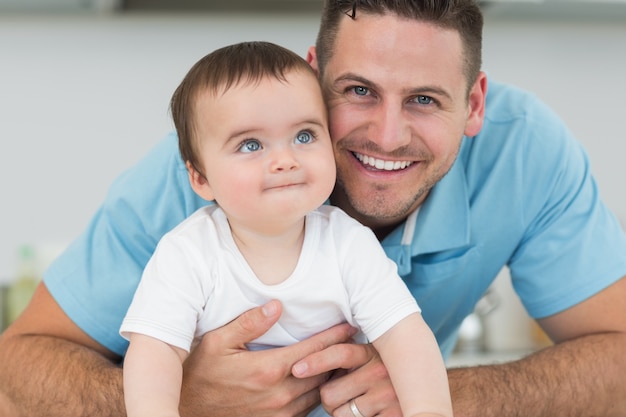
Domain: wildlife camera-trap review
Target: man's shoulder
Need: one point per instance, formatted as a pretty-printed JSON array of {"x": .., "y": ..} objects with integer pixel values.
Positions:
[
  {"x": 155, "y": 192},
  {"x": 522, "y": 142},
  {"x": 517, "y": 120},
  {"x": 162, "y": 160},
  {"x": 507, "y": 103},
  {"x": 160, "y": 174}
]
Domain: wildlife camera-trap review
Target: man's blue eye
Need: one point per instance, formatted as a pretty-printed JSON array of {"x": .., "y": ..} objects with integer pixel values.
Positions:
[
  {"x": 304, "y": 137},
  {"x": 250, "y": 145},
  {"x": 424, "y": 100},
  {"x": 361, "y": 91}
]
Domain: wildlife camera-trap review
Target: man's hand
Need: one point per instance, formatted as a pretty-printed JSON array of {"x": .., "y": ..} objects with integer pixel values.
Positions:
[
  {"x": 366, "y": 380},
  {"x": 560, "y": 380},
  {"x": 223, "y": 378}
]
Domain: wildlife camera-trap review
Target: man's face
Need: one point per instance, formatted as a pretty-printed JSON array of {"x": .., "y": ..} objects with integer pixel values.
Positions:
[{"x": 398, "y": 109}]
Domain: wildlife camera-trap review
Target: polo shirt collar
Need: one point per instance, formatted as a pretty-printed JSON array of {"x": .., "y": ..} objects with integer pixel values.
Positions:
[{"x": 441, "y": 224}]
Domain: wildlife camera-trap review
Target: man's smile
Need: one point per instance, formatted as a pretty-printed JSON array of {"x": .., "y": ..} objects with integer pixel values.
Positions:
[{"x": 381, "y": 164}]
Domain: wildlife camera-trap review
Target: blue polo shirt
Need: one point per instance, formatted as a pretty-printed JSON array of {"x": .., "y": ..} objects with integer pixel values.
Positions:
[{"x": 520, "y": 194}]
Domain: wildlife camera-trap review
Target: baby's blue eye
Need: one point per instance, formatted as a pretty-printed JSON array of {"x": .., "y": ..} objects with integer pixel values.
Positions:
[
  {"x": 250, "y": 145},
  {"x": 304, "y": 137}
]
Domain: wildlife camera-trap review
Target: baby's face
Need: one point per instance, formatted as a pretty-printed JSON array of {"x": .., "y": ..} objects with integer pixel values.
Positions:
[{"x": 266, "y": 150}]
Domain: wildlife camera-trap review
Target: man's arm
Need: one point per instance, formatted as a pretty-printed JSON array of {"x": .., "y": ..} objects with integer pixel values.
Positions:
[
  {"x": 49, "y": 367},
  {"x": 583, "y": 377},
  {"x": 583, "y": 374}
]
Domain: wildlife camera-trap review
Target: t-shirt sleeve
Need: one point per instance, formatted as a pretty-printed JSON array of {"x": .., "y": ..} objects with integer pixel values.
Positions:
[
  {"x": 94, "y": 280},
  {"x": 172, "y": 293},
  {"x": 565, "y": 218},
  {"x": 378, "y": 297}
]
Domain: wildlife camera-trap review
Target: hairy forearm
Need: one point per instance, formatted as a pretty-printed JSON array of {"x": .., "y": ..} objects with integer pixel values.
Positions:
[
  {"x": 579, "y": 378},
  {"x": 45, "y": 376}
]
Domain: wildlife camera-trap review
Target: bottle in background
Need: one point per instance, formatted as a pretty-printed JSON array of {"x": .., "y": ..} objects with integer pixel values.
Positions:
[{"x": 19, "y": 293}]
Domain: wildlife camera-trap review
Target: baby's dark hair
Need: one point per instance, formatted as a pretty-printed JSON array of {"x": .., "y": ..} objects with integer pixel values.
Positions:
[{"x": 248, "y": 62}]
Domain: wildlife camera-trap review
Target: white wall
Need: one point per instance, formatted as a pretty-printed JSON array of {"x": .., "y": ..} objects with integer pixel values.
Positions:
[{"x": 84, "y": 97}]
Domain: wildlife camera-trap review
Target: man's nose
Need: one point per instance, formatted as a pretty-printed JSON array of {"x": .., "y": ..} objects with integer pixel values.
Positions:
[{"x": 389, "y": 128}]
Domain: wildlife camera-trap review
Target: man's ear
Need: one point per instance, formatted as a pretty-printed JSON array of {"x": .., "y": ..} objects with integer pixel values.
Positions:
[
  {"x": 476, "y": 106},
  {"x": 199, "y": 183},
  {"x": 311, "y": 58}
]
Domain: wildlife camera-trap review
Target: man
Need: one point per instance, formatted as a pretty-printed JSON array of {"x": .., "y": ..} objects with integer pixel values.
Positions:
[{"x": 456, "y": 184}]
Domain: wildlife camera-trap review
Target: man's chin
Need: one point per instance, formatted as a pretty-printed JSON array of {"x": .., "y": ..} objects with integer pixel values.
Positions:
[{"x": 385, "y": 207}]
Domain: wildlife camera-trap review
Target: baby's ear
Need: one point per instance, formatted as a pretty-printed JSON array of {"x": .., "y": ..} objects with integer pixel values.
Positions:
[{"x": 199, "y": 183}]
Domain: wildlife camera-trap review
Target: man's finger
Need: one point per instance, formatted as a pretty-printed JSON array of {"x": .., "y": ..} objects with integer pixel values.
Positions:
[
  {"x": 337, "y": 356},
  {"x": 339, "y": 334},
  {"x": 247, "y": 327}
]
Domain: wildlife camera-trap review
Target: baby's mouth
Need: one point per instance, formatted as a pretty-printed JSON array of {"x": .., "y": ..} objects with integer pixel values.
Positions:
[{"x": 382, "y": 164}]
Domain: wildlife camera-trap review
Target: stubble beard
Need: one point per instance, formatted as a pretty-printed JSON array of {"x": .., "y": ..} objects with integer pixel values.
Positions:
[{"x": 377, "y": 206}]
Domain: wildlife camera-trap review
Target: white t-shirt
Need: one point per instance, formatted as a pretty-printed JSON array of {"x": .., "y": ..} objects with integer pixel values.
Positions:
[{"x": 197, "y": 280}]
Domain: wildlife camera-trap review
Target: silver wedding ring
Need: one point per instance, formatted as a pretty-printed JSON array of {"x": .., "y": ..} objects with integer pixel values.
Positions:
[{"x": 355, "y": 410}]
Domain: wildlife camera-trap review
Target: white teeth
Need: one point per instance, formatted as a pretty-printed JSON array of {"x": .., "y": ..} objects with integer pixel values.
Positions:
[{"x": 381, "y": 163}]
